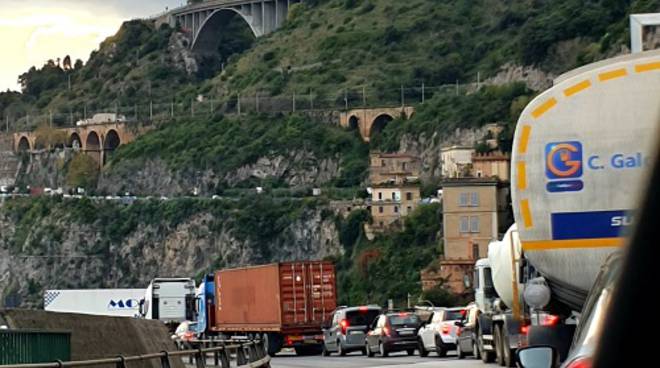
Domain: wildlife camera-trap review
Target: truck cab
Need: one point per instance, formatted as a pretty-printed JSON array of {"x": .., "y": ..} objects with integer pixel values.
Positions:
[
  {"x": 170, "y": 300},
  {"x": 484, "y": 290}
]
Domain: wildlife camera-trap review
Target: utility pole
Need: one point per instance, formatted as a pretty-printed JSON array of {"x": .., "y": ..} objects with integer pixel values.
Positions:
[
  {"x": 311, "y": 99},
  {"x": 50, "y": 118},
  {"x": 294, "y": 101},
  {"x": 172, "y": 109},
  {"x": 423, "y": 96},
  {"x": 192, "y": 107},
  {"x": 69, "y": 75},
  {"x": 478, "y": 80},
  {"x": 85, "y": 111},
  {"x": 346, "y": 99},
  {"x": 238, "y": 103},
  {"x": 212, "y": 108},
  {"x": 136, "y": 112},
  {"x": 403, "y": 97},
  {"x": 256, "y": 97},
  {"x": 7, "y": 122},
  {"x": 151, "y": 110},
  {"x": 364, "y": 96},
  {"x": 456, "y": 87}
]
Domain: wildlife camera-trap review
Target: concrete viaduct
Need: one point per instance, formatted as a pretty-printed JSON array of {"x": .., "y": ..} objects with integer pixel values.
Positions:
[
  {"x": 95, "y": 140},
  {"x": 206, "y": 19},
  {"x": 370, "y": 121}
]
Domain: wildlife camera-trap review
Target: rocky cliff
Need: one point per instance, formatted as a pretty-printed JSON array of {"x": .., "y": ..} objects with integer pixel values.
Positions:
[{"x": 55, "y": 243}]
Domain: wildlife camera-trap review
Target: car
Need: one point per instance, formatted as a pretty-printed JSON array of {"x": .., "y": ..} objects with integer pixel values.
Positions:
[
  {"x": 466, "y": 336},
  {"x": 184, "y": 334},
  {"x": 348, "y": 329},
  {"x": 439, "y": 334},
  {"x": 590, "y": 327},
  {"x": 393, "y": 332}
]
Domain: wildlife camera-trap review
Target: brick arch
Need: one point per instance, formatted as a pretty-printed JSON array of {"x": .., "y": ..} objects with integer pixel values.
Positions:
[
  {"x": 353, "y": 122},
  {"x": 93, "y": 145},
  {"x": 379, "y": 122},
  {"x": 75, "y": 141}
]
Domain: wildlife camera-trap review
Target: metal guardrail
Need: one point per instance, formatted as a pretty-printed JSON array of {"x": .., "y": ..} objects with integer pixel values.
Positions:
[{"x": 247, "y": 355}]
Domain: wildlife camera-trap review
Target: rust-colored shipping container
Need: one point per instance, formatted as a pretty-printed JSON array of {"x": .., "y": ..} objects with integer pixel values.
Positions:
[{"x": 286, "y": 303}]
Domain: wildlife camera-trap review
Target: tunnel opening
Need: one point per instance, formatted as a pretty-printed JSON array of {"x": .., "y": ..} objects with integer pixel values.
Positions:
[
  {"x": 223, "y": 34},
  {"x": 23, "y": 144},
  {"x": 75, "y": 142}
]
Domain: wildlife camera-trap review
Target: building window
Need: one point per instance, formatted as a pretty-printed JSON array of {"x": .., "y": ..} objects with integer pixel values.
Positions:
[
  {"x": 393, "y": 196},
  {"x": 380, "y": 209},
  {"x": 464, "y": 225},
  {"x": 474, "y": 224},
  {"x": 463, "y": 200},
  {"x": 382, "y": 163},
  {"x": 409, "y": 209},
  {"x": 475, "y": 251},
  {"x": 404, "y": 166},
  {"x": 409, "y": 196},
  {"x": 396, "y": 209},
  {"x": 381, "y": 224},
  {"x": 380, "y": 195},
  {"x": 474, "y": 199}
]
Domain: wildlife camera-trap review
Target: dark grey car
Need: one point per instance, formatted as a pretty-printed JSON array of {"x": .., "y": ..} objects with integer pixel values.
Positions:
[{"x": 348, "y": 328}]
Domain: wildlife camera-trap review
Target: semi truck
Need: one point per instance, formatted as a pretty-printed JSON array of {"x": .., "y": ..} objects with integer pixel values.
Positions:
[
  {"x": 170, "y": 300},
  {"x": 100, "y": 302},
  {"x": 284, "y": 304},
  {"x": 581, "y": 151}
]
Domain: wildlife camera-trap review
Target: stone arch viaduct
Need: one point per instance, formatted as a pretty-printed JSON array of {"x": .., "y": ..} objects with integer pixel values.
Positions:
[
  {"x": 97, "y": 141},
  {"x": 206, "y": 19},
  {"x": 372, "y": 121}
]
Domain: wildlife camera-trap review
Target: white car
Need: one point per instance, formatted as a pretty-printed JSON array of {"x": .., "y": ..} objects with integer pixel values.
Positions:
[{"x": 440, "y": 333}]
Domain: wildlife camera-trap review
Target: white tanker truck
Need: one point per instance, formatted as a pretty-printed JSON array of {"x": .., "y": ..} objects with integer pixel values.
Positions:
[{"x": 580, "y": 156}]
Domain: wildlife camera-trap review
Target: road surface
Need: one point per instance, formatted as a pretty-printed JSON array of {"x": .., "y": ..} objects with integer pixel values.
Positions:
[{"x": 357, "y": 360}]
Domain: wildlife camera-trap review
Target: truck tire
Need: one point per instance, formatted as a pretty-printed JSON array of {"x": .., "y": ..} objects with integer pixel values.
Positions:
[
  {"x": 459, "y": 351},
  {"x": 499, "y": 348},
  {"x": 440, "y": 347},
  {"x": 422, "y": 350},
  {"x": 509, "y": 360},
  {"x": 272, "y": 343},
  {"x": 367, "y": 349},
  {"x": 325, "y": 352},
  {"x": 340, "y": 349},
  {"x": 383, "y": 350},
  {"x": 486, "y": 356}
]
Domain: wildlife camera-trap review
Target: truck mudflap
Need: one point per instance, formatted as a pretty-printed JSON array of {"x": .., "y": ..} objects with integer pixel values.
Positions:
[
  {"x": 516, "y": 337},
  {"x": 292, "y": 341},
  {"x": 560, "y": 336}
]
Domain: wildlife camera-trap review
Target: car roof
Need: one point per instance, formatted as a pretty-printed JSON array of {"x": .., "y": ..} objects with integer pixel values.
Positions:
[{"x": 367, "y": 307}]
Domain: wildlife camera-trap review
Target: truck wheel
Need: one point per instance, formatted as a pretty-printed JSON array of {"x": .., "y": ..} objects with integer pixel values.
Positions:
[
  {"x": 340, "y": 349},
  {"x": 440, "y": 348},
  {"x": 509, "y": 361},
  {"x": 486, "y": 356},
  {"x": 410, "y": 352},
  {"x": 325, "y": 352},
  {"x": 422, "y": 350},
  {"x": 367, "y": 349},
  {"x": 499, "y": 348},
  {"x": 459, "y": 351},
  {"x": 383, "y": 350}
]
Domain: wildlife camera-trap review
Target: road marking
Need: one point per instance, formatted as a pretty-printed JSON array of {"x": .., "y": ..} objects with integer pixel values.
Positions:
[
  {"x": 522, "y": 176},
  {"x": 641, "y": 68},
  {"x": 577, "y": 88},
  {"x": 524, "y": 139},
  {"x": 614, "y": 74},
  {"x": 545, "y": 107}
]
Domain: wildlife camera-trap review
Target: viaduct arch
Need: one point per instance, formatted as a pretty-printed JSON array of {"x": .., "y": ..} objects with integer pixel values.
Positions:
[{"x": 372, "y": 121}]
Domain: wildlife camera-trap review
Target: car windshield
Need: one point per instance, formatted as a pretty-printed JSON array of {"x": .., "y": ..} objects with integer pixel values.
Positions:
[
  {"x": 454, "y": 315},
  {"x": 404, "y": 319},
  {"x": 362, "y": 317}
]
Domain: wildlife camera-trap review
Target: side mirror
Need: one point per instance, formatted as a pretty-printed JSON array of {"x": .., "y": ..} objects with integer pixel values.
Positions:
[{"x": 542, "y": 356}]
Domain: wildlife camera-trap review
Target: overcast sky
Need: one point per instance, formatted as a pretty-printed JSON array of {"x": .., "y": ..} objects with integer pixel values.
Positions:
[{"x": 33, "y": 31}]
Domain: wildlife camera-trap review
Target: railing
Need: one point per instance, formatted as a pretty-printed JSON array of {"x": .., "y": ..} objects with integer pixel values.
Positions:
[{"x": 247, "y": 354}]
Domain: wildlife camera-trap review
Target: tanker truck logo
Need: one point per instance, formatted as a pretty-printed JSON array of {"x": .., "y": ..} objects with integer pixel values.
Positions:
[
  {"x": 563, "y": 164},
  {"x": 123, "y": 304}
]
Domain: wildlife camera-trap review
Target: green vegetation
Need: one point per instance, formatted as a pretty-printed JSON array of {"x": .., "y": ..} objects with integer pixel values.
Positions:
[
  {"x": 388, "y": 266},
  {"x": 82, "y": 172},
  {"x": 225, "y": 144}
]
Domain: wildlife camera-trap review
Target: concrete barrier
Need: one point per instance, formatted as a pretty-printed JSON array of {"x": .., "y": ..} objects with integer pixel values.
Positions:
[{"x": 94, "y": 337}]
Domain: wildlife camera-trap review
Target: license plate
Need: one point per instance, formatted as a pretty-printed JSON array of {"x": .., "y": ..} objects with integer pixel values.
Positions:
[
  {"x": 311, "y": 342},
  {"x": 403, "y": 333},
  {"x": 355, "y": 332}
]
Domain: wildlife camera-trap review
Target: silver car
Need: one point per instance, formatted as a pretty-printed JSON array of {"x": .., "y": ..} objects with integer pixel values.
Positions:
[{"x": 348, "y": 329}]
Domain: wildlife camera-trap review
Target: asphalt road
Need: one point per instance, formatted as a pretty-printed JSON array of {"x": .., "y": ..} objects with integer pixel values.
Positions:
[{"x": 356, "y": 360}]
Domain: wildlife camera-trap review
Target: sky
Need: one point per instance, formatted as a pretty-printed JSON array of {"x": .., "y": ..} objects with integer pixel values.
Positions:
[{"x": 33, "y": 31}]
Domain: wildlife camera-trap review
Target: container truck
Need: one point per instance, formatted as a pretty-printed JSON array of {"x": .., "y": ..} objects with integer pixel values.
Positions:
[
  {"x": 100, "y": 302},
  {"x": 285, "y": 304},
  {"x": 170, "y": 300},
  {"x": 205, "y": 307},
  {"x": 581, "y": 150}
]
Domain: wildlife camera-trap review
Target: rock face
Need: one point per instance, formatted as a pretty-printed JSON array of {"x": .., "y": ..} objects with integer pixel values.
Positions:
[
  {"x": 182, "y": 55},
  {"x": 44, "y": 169},
  {"x": 154, "y": 177},
  {"x": 428, "y": 147},
  {"x": 56, "y": 250},
  {"x": 535, "y": 79}
]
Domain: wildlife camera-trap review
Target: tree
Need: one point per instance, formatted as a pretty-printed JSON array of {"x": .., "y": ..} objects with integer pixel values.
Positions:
[
  {"x": 82, "y": 172},
  {"x": 66, "y": 64},
  {"x": 49, "y": 137},
  {"x": 78, "y": 65}
]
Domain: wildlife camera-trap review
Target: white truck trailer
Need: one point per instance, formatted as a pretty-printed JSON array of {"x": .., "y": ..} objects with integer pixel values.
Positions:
[
  {"x": 101, "y": 302},
  {"x": 580, "y": 156},
  {"x": 170, "y": 300}
]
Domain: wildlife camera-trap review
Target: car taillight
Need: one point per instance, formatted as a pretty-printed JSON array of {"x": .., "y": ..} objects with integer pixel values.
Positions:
[
  {"x": 344, "y": 326},
  {"x": 580, "y": 363},
  {"x": 550, "y": 320},
  {"x": 445, "y": 329},
  {"x": 524, "y": 329}
]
